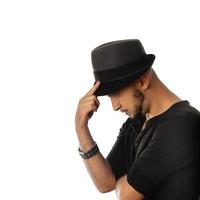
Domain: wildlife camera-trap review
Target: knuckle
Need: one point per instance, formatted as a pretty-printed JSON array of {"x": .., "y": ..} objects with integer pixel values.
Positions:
[
  {"x": 81, "y": 99},
  {"x": 92, "y": 103},
  {"x": 93, "y": 107}
]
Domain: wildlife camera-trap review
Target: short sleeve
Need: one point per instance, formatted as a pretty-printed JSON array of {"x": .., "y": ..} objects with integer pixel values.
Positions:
[
  {"x": 174, "y": 146},
  {"x": 116, "y": 156}
]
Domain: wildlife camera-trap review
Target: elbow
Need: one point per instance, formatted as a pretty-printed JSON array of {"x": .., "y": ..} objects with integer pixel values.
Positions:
[{"x": 106, "y": 188}]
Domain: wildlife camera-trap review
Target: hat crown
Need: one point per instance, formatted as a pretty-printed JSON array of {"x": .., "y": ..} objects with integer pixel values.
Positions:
[
  {"x": 116, "y": 54},
  {"x": 118, "y": 63}
]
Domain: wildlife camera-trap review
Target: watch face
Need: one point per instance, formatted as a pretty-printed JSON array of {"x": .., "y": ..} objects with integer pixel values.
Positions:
[
  {"x": 92, "y": 152},
  {"x": 82, "y": 153}
]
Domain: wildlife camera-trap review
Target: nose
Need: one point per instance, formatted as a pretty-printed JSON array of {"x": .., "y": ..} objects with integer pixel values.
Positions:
[{"x": 115, "y": 103}]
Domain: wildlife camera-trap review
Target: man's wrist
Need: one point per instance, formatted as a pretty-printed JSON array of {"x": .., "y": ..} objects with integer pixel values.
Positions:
[
  {"x": 86, "y": 141},
  {"x": 80, "y": 130},
  {"x": 86, "y": 145},
  {"x": 90, "y": 153}
]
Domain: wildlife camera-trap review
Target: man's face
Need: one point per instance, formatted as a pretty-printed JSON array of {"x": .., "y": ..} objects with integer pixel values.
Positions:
[{"x": 128, "y": 100}]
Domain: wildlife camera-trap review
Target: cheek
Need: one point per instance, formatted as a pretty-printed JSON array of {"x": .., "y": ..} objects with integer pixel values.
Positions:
[{"x": 132, "y": 105}]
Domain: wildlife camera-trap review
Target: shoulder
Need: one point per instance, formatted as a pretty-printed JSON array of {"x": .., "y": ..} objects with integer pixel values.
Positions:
[
  {"x": 183, "y": 123},
  {"x": 183, "y": 116},
  {"x": 178, "y": 130}
]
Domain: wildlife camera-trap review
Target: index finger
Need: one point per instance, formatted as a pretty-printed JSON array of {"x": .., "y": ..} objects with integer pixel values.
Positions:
[{"x": 93, "y": 89}]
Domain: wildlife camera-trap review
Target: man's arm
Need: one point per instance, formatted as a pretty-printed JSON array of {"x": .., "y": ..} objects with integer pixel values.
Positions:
[
  {"x": 125, "y": 192},
  {"x": 97, "y": 166}
]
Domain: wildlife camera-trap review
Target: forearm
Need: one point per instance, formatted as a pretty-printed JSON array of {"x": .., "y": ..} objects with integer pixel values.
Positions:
[{"x": 97, "y": 166}]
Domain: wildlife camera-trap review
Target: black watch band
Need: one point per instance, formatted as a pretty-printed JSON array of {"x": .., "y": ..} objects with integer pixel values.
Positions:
[{"x": 92, "y": 152}]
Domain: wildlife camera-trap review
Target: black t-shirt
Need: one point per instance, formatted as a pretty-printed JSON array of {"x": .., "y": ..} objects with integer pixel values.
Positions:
[{"x": 161, "y": 161}]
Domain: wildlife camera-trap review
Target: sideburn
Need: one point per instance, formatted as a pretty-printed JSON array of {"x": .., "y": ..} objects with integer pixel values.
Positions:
[{"x": 140, "y": 96}]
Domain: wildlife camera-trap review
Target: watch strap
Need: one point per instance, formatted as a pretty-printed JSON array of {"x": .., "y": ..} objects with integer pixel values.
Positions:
[{"x": 92, "y": 152}]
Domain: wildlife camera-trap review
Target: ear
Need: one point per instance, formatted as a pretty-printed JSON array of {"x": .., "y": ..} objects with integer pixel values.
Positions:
[{"x": 144, "y": 81}]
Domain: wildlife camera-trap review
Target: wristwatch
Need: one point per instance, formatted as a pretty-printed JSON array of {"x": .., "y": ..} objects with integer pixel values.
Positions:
[{"x": 89, "y": 154}]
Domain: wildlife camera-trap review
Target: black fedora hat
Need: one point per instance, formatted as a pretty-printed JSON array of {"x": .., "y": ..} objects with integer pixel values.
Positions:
[{"x": 116, "y": 64}]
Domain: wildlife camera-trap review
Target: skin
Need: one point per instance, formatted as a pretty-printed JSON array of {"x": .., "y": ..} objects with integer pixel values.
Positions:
[{"x": 147, "y": 95}]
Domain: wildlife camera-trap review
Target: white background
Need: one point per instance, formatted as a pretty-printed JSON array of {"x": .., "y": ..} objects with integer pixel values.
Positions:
[{"x": 45, "y": 68}]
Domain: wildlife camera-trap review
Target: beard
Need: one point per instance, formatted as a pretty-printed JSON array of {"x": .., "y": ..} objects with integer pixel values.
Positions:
[{"x": 139, "y": 99}]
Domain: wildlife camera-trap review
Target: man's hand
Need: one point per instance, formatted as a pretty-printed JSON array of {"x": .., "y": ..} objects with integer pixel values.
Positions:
[{"x": 88, "y": 104}]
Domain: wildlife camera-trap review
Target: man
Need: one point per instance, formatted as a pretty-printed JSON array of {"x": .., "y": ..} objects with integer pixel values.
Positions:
[{"x": 157, "y": 152}]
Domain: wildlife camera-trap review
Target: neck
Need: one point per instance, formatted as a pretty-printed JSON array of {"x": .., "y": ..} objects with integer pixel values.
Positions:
[{"x": 161, "y": 99}]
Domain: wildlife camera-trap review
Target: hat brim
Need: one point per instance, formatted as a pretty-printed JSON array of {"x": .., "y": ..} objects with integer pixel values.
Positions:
[{"x": 113, "y": 86}]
